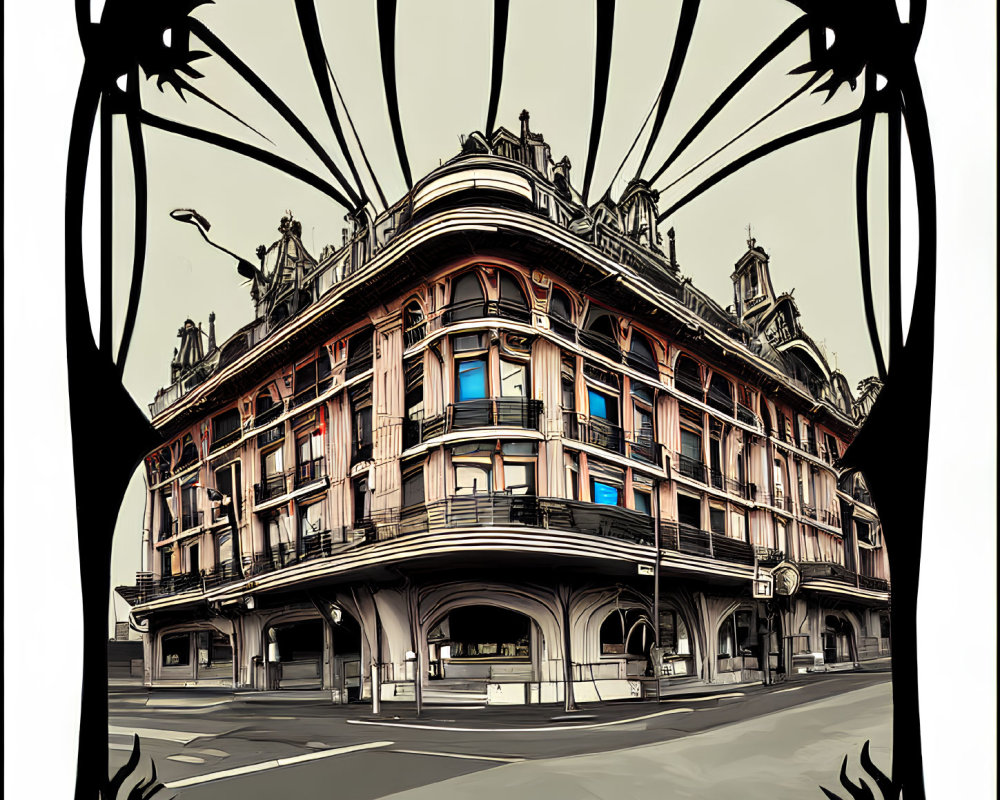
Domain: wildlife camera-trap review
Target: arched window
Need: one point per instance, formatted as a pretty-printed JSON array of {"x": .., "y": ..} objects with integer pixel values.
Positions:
[
  {"x": 265, "y": 409},
  {"x": 640, "y": 355},
  {"x": 626, "y": 632},
  {"x": 467, "y": 299},
  {"x": 600, "y": 336},
  {"x": 736, "y": 635},
  {"x": 513, "y": 303},
  {"x": 477, "y": 635},
  {"x": 687, "y": 377},
  {"x": 561, "y": 313},
  {"x": 414, "y": 324},
  {"x": 720, "y": 394}
]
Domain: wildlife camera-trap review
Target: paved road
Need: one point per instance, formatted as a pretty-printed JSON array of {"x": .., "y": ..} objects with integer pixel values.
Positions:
[{"x": 290, "y": 750}]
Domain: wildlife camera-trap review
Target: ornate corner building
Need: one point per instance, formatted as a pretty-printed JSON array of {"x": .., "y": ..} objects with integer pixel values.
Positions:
[{"x": 497, "y": 442}]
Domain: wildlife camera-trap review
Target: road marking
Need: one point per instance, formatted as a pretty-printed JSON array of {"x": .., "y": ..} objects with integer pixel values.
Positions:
[
  {"x": 209, "y": 751},
  {"x": 181, "y": 737},
  {"x": 457, "y": 755},
  {"x": 187, "y": 759},
  {"x": 702, "y": 699},
  {"x": 789, "y": 689},
  {"x": 265, "y": 765},
  {"x": 390, "y": 724}
]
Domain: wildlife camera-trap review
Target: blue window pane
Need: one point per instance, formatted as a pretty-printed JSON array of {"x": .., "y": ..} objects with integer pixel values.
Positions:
[
  {"x": 471, "y": 380},
  {"x": 605, "y": 494},
  {"x": 598, "y": 404}
]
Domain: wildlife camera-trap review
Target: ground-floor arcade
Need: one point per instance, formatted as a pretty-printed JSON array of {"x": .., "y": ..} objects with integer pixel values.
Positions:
[{"x": 509, "y": 641}]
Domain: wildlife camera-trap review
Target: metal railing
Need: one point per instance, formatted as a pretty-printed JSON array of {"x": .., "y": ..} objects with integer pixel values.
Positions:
[
  {"x": 689, "y": 386},
  {"x": 268, "y": 416},
  {"x": 600, "y": 343},
  {"x": 413, "y": 335},
  {"x": 721, "y": 401},
  {"x": 271, "y": 435},
  {"x": 192, "y": 519},
  {"x": 271, "y": 487},
  {"x": 768, "y": 556},
  {"x": 690, "y": 468},
  {"x": 417, "y": 429},
  {"x": 691, "y": 540},
  {"x": 480, "y": 309},
  {"x": 225, "y": 439},
  {"x": 747, "y": 416},
  {"x": 502, "y": 412},
  {"x": 642, "y": 364}
]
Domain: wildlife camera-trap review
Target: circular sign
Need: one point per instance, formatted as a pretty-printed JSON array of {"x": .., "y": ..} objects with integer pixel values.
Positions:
[{"x": 786, "y": 578}]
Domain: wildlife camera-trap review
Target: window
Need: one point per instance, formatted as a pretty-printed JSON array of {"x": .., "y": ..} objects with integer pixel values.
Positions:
[
  {"x": 360, "y": 399},
  {"x": 734, "y": 634},
  {"x": 561, "y": 313},
  {"x": 312, "y": 522},
  {"x": 413, "y": 487},
  {"x": 571, "y": 466},
  {"x": 359, "y": 353},
  {"x": 717, "y": 519},
  {"x": 687, "y": 377},
  {"x": 600, "y": 335},
  {"x": 473, "y": 479},
  {"x": 689, "y": 464},
  {"x": 468, "y": 342},
  {"x": 229, "y": 482},
  {"x": 832, "y": 448},
  {"x": 192, "y": 557},
  {"x": 641, "y": 356},
  {"x": 674, "y": 633},
  {"x": 166, "y": 562},
  {"x": 279, "y": 538},
  {"x": 513, "y": 379},
  {"x": 641, "y": 392},
  {"x": 166, "y": 513},
  {"x": 414, "y": 324},
  {"x": 519, "y": 477},
  {"x": 720, "y": 394},
  {"x": 467, "y": 299},
  {"x": 626, "y": 632},
  {"x": 689, "y": 511},
  {"x": 602, "y": 406},
  {"x": 190, "y": 515},
  {"x": 642, "y": 502},
  {"x": 223, "y": 549},
  {"x": 512, "y": 301},
  {"x": 187, "y": 452},
  {"x": 214, "y": 649},
  {"x": 176, "y": 649},
  {"x": 362, "y": 501},
  {"x": 604, "y": 493},
  {"x": 225, "y": 428},
  {"x": 308, "y": 454},
  {"x": 471, "y": 377}
]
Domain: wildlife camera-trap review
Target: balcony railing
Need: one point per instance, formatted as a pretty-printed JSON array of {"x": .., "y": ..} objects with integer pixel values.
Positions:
[
  {"x": 875, "y": 584},
  {"x": 781, "y": 500},
  {"x": 721, "y": 401},
  {"x": 308, "y": 471},
  {"x": 829, "y": 517},
  {"x": 827, "y": 569},
  {"x": 689, "y": 386},
  {"x": 691, "y": 540},
  {"x": 503, "y": 412},
  {"x": 268, "y": 416},
  {"x": 645, "y": 448},
  {"x": 269, "y": 488},
  {"x": 690, "y": 468},
  {"x": 480, "y": 309},
  {"x": 413, "y": 335},
  {"x": 218, "y": 442},
  {"x": 361, "y": 451},
  {"x": 746, "y": 416},
  {"x": 808, "y": 510},
  {"x": 562, "y": 327},
  {"x": 192, "y": 519},
  {"x": 768, "y": 556},
  {"x": 642, "y": 364},
  {"x": 600, "y": 343},
  {"x": 418, "y": 429}
]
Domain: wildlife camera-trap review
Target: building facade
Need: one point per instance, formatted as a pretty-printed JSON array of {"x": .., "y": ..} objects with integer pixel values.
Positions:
[{"x": 498, "y": 443}]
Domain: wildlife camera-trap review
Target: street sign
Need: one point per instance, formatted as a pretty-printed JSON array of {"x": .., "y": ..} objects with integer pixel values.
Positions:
[
  {"x": 645, "y": 569},
  {"x": 763, "y": 587}
]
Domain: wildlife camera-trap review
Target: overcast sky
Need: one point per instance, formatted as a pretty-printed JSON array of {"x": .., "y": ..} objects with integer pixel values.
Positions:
[{"x": 799, "y": 201}]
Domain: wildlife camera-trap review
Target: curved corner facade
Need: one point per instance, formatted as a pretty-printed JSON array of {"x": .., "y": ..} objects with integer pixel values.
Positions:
[{"x": 496, "y": 445}]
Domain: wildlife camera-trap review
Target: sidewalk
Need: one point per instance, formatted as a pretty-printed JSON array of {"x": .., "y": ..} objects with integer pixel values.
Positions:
[{"x": 786, "y": 754}]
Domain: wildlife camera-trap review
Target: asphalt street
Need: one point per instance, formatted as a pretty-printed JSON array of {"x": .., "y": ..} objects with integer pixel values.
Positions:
[{"x": 214, "y": 746}]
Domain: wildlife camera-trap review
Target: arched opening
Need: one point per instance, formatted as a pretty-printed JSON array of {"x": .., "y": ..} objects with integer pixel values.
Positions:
[
  {"x": 296, "y": 650},
  {"x": 640, "y": 355},
  {"x": 720, "y": 394},
  {"x": 838, "y": 640},
  {"x": 414, "y": 323},
  {"x": 600, "y": 335},
  {"x": 687, "y": 377},
  {"x": 513, "y": 303},
  {"x": 481, "y": 643},
  {"x": 738, "y": 643},
  {"x": 467, "y": 299},
  {"x": 628, "y": 633},
  {"x": 561, "y": 313}
]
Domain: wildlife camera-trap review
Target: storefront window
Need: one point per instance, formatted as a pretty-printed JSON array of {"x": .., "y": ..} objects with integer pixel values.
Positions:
[
  {"x": 176, "y": 650},
  {"x": 735, "y": 634}
]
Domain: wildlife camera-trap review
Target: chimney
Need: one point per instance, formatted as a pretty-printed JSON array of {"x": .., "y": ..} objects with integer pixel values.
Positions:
[
  {"x": 211, "y": 331},
  {"x": 672, "y": 249}
]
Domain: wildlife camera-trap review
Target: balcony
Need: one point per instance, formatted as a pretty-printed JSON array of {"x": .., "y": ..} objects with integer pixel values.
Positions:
[
  {"x": 268, "y": 416},
  {"x": 417, "y": 429},
  {"x": 219, "y": 442},
  {"x": 875, "y": 584},
  {"x": 361, "y": 451},
  {"x": 691, "y": 468},
  {"x": 501, "y": 412},
  {"x": 600, "y": 343},
  {"x": 269, "y": 488},
  {"x": 729, "y": 485},
  {"x": 807, "y": 511},
  {"x": 746, "y": 416},
  {"x": 691, "y": 540},
  {"x": 308, "y": 472},
  {"x": 721, "y": 401},
  {"x": 415, "y": 334},
  {"x": 562, "y": 327},
  {"x": 828, "y": 569},
  {"x": 645, "y": 448},
  {"x": 642, "y": 364},
  {"x": 768, "y": 556},
  {"x": 480, "y": 309},
  {"x": 829, "y": 517},
  {"x": 690, "y": 386},
  {"x": 192, "y": 520}
]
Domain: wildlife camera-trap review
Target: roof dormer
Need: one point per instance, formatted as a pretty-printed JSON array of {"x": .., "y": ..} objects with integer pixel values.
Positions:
[{"x": 752, "y": 289}]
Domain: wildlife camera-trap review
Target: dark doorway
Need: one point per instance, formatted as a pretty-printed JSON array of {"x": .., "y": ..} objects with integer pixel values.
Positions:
[{"x": 297, "y": 649}]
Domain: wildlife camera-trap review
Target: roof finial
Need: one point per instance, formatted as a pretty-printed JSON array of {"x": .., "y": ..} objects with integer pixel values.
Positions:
[{"x": 750, "y": 240}]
